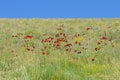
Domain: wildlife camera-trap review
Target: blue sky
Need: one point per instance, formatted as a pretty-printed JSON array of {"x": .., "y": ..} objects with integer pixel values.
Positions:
[{"x": 59, "y": 8}]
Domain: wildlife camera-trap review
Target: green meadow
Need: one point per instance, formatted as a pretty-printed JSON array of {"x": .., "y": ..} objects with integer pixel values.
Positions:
[{"x": 59, "y": 49}]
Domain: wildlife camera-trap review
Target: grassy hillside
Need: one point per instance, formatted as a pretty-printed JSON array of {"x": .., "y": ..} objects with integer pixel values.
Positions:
[{"x": 59, "y": 49}]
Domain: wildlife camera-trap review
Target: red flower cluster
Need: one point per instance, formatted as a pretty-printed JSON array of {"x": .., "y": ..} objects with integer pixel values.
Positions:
[
  {"x": 96, "y": 49},
  {"x": 49, "y": 39},
  {"x": 28, "y": 37},
  {"x": 68, "y": 47},
  {"x": 103, "y": 38}
]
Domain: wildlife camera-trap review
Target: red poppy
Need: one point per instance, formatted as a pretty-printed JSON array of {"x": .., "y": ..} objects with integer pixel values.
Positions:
[
  {"x": 67, "y": 49},
  {"x": 57, "y": 35},
  {"x": 98, "y": 43},
  {"x": 76, "y": 42},
  {"x": 96, "y": 49},
  {"x": 45, "y": 47},
  {"x": 68, "y": 45},
  {"x": 33, "y": 46},
  {"x": 103, "y": 38},
  {"x": 43, "y": 53},
  {"x": 28, "y": 49},
  {"x": 28, "y": 37},
  {"x": 58, "y": 46}
]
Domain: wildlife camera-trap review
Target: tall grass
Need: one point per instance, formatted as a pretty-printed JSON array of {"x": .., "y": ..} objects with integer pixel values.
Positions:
[{"x": 18, "y": 63}]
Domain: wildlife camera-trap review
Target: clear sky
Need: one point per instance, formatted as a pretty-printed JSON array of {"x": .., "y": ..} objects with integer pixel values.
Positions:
[{"x": 59, "y": 8}]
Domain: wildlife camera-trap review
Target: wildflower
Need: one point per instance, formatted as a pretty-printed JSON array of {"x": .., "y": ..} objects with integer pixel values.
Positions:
[
  {"x": 67, "y": 49},
  {"x": 28, "y": 37},
  {"x": 76, "y": 42},
  {"x": 78, "y": 39},
  {"x": 96, "y": 49},
  {"x": 92, "y": 59},
  {"x": 68, "y": 45},
  {"x": 64, "y": 34},
  {"x": 33, "y": 46},
  {"x": 98, "y": 43},
  {"x": 43, "y": 53},
  {"x": 58, "y": 46},
  {"x": 103, "y": 38},
  {"x": 28, "y": 49},
  {"x": 57, "y": 35},
  {"x": 45, "y": 47}
]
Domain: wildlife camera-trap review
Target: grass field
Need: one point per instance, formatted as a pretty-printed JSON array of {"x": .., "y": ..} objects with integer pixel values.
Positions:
[{"x": 59, "y": 49}]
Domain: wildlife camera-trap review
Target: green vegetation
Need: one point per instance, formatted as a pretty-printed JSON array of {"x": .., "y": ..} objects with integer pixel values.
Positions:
[{"x": 59, "y": 49}]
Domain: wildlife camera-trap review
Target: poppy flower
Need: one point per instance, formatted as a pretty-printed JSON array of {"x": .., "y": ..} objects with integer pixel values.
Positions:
[
  {"x": 45, "y": 47},
  {"x": 58, "y": 46},
  {"x": 68, "y": 45},
  {"x": 57, "y": 35},
  {"x": 98, "y": 43},
  {"x": 28, "y": 49},
  {"x": 96, "y": 49},
  {"x": 33, "y": 46},
  {"x": 103, "y": 38},
  {"x": 43, "y": 53},
  {"x": 28, "y": 37},
  {"x": 67, "y": 49}
]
